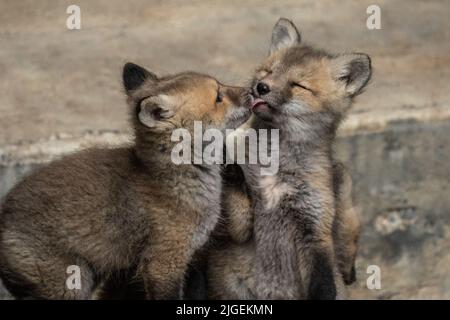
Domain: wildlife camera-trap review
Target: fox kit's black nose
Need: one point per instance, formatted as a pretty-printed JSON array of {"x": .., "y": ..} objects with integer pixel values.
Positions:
[{"x": 262, "y": 88}]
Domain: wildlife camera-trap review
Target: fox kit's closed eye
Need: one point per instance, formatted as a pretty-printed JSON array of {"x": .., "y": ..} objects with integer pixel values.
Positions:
[
  {"x": 107, "y": 210},
  {"x": 303, "y": 92}
]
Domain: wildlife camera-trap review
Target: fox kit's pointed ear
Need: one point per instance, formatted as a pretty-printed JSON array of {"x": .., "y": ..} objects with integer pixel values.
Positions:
[
  {"x": 354, "y": 70},
  {"x": 134, "y": 76},
  {"x": 154, "y": 111},
  {"x": 284, "y": 35}
]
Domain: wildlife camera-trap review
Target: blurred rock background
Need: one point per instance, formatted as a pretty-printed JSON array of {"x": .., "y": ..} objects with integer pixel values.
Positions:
[{"x": 61, "y": 91}]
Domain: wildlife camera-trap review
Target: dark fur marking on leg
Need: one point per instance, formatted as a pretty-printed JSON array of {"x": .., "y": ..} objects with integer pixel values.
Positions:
[
  {"x": 351, "y": 278},
  {"x": 322, "y": 286}
]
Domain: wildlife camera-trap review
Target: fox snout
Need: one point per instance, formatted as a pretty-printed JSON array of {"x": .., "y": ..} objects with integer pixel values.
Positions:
[
  {"x": 246, "y": 98},
  {"x": 238, "y": 110},
  {"x": 239, "y": 96},
  {"x": 267, "y": 100}
]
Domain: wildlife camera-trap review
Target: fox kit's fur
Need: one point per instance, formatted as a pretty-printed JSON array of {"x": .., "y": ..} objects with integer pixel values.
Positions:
[
  {"x": 230, "y": 269},
  {"x": 107, "y": 210},
  {"x": 346, "y": 225},
  {"x": 304, "y": 93}
]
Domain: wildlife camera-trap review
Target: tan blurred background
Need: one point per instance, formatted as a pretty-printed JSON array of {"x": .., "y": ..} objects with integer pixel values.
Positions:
[{"x": 60, "y": 90}]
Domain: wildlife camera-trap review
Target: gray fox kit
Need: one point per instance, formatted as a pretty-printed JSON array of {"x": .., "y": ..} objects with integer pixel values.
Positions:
[{"x": 305, "y": 93}]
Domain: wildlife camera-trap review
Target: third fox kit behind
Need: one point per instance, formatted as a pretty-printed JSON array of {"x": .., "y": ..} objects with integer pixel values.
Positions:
[
  {"x": 107, "y": 210},
  {"x": 303, "y": 92}
]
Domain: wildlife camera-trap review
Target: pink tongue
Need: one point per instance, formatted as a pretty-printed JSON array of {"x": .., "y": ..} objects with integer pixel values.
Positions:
[{"x": 257, "y": 101}]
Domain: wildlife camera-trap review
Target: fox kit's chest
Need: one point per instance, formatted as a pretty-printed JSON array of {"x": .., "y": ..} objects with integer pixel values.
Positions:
[
  {"x": 272, "y": 190},
  {"x": 203, "y": 197}
]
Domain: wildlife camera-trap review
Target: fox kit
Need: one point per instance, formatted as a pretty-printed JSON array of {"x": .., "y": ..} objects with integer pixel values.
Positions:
[
  {"x": 131, "y": 208},
  {"x": 303, "y": 92}
]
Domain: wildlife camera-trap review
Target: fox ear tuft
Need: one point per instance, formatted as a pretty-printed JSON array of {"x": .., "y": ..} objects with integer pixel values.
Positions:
[
  {"x": 284, "y": 35},
  {"x": 154, "y": 110},
  {"x": 134, "y": 76},
  {"x": 354, "y": 70}
]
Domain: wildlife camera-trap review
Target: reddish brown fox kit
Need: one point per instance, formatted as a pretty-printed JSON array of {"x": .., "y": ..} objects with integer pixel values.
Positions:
[
  {"x": 304, "y": 226},
  {"x": 131, "y": 208}
]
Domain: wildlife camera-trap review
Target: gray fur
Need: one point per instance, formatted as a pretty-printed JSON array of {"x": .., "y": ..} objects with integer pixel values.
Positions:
[
  {"x": 307, "y": 92},
  {"x": 295, "y": 254}
]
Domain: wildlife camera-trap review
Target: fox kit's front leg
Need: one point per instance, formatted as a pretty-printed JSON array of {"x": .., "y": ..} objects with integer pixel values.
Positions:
[
  {"x": 294, "y": 245},
  {"x": 276, "y": 268},
  {"x": 163, "y": 270},
  {"x": 312, "y": 211},
  {"x": 164, "y": 264},
  {"x": 276, "y": 265},
  {"x": 237, "y": 205}
]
